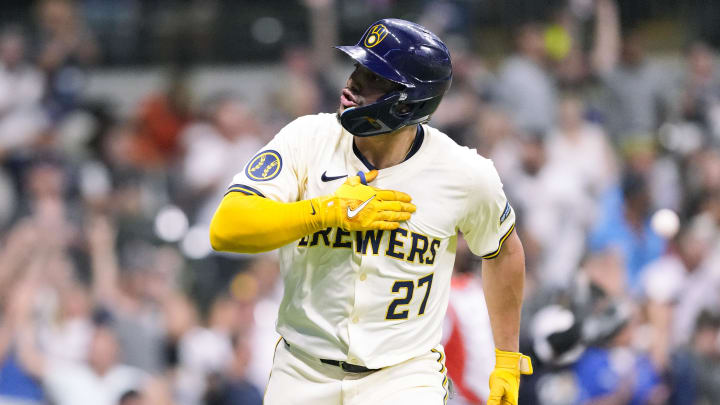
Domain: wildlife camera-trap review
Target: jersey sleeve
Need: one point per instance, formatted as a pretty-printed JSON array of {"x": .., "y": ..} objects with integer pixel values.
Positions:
[
  {"x": 489, "y": 218},
  {"x": 277, "y": 171}
]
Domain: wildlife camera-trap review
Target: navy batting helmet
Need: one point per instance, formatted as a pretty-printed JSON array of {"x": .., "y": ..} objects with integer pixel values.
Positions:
[{"x": 410, "y": 55}]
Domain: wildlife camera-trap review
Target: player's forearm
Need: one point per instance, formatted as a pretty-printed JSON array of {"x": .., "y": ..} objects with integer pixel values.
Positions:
[
  {"x": 503, "y": 283},
  {"x": 251, "y": 224}
]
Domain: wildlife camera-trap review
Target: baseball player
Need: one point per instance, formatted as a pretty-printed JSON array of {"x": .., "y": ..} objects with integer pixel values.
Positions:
[{"x": 366, "y": 267}]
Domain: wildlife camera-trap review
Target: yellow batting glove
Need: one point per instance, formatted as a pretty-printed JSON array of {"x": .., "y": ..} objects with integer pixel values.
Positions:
[
  {"x": 505, "y": 378},
  {"x": 355, "y": 206}
]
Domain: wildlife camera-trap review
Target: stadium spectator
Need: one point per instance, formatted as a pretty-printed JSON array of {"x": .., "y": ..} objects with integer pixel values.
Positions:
[
  {"x": 525, "y": 89},
  {"x": 161, "y": 118},
  {"x": 460, "y": 108},
  {"x": 699, "y": 96},
  {"x": 66, "y": 49},
  {"x": 612, "y": 372},
  {"x": 204, "y": 353},
  {"x": 582, "y": 148},
  {"x": 22, "y": 119},
  {"x": 695, "y": 371},
  {"x": 262, "y": 337},
  {"x": 687, "y": 267},
  {"x": 552, "y": 210},
  {"x": 98, "y": 380},
  {"x": 637, "y": 96},
  {"x": 220, "y": 144},
  {"x": 234, "y": 388},
  {"x": 300, "y": 93},
  {"x": 136, "y": 309},
  {"x": 497, "y": 138},
  {"x": 623, "y": 226},
  {"x": 17, "y": 385}
]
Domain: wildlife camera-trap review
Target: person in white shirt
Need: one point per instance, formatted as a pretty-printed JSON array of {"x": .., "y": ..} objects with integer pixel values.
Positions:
[
  {"x": 21, "y": 89},
  {"x": 101, "y": 380}
]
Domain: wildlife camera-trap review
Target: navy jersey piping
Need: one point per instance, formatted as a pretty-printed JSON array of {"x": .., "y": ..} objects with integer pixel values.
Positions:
[{"x": 247, "y": 190}]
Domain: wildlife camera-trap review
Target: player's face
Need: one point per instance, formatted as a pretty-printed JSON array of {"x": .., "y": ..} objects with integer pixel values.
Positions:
[{"x": 364, "y": 87}]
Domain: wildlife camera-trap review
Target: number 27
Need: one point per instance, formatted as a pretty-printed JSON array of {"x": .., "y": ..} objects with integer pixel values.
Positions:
[{"x": 409, "y": 287}]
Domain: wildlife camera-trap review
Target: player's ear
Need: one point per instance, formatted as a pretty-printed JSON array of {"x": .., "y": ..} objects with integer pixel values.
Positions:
[{"x": 402, "y": 108}]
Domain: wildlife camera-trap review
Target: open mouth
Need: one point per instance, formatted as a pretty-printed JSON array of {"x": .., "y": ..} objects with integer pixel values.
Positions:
[{"x": 347, "y": 99}]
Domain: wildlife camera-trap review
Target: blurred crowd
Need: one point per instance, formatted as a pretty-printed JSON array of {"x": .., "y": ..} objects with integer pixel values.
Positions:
[{"x": 110, "y": 293}]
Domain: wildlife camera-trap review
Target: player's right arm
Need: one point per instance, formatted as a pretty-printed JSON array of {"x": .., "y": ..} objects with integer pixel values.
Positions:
[{"x": 251, "y": 223}]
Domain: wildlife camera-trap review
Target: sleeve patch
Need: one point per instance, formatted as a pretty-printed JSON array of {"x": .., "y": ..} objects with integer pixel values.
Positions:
[
  {"x": 506, "y": 212},
  {"x": 265, "y": 166}
]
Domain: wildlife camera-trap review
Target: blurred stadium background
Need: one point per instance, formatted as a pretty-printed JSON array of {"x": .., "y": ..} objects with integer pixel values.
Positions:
[{"x": 122, "y": 121}]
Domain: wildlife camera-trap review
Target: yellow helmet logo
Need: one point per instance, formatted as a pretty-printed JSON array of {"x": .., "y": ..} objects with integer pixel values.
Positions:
[{"x": 377, "y": 33}]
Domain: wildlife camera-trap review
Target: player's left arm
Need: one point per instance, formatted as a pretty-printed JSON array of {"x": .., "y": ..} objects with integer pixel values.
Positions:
[
  {"x": 503, "y": 281},
  {"x": 488, "y": 226}
]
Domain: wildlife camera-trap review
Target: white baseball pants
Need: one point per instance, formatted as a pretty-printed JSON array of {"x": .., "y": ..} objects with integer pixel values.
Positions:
[{"x": 300, "y": 379}]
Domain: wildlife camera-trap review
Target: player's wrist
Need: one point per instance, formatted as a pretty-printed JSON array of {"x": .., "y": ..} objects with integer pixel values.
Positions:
[
  {"x": 326, "y": 212},
  {"x": 513, "y": 361}
]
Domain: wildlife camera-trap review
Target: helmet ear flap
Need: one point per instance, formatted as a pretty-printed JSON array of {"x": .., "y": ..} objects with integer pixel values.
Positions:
[
  {"x": 416, "y": 112},
  {"x": 373, "y": 119},
  {"x": 427, "y": 107}
]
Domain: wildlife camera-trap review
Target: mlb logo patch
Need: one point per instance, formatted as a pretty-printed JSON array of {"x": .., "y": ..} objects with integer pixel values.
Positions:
[
  {"x": 506, "y": 212},
  {"x": 265, "y": 166}
]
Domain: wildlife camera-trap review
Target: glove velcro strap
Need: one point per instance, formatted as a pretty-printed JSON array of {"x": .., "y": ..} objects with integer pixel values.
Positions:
[{"x": 513, "y": 361}]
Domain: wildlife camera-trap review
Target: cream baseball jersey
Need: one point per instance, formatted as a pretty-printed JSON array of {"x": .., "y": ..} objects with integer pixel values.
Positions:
[{"x": 376, "y": 298}]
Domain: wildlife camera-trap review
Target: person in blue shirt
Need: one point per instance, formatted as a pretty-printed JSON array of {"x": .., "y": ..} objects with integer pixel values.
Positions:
[
  {"x": 16, "y": 384},
  {"x": 624, "y": 226},
  {"x": 610, "y": 370}
]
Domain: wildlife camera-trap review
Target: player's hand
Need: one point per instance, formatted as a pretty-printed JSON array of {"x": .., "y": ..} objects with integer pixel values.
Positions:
[
  {"x": 505, "y": 378},
  {"x": 355, "y": 206}
]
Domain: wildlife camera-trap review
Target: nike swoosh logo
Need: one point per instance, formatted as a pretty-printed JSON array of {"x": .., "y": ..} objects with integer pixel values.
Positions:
[
  {"x": 313, "y": 207},
  {"x": 326, "y": 178},
  {"x": 352, "y": 213}
]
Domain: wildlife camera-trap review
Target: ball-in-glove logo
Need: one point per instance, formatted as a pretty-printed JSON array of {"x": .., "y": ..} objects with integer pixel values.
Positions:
[
  {"x": 266, "y": 165},
  {"x": 376, "y": 34}
]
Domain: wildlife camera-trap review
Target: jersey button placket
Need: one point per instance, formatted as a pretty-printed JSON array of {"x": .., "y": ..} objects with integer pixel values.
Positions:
[{"x": 357, "y": 308}]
